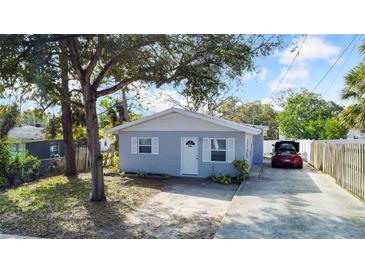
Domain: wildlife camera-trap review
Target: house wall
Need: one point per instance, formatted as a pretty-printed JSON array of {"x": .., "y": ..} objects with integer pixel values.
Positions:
[
  {"x": 258, "y": 149},
  {"x": 169, "y": 158},
  {"x": 41, "y": 149}
]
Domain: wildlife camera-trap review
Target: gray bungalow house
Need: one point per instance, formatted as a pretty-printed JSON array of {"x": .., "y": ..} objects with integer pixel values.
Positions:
[{"x": 183, "y": 143}]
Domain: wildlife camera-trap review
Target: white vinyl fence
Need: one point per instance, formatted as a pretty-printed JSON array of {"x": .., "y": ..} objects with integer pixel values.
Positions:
[
  {"x": 304, "y": 147},
  {"x": 268, "y": 146}
]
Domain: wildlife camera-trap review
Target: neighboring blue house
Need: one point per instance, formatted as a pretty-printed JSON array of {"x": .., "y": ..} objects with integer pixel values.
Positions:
[
  {"x": 34, "y": 140},
  {"x": 183, "y": 143}
]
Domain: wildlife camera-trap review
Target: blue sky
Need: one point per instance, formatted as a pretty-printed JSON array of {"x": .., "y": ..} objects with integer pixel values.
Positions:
[{"x": 316, "y": 56}]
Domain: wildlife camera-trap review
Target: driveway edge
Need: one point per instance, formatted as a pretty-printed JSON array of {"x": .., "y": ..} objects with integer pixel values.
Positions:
[{"x": 254, "y": 174}]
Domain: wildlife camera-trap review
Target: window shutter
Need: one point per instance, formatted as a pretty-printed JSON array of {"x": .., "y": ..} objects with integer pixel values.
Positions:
[
  {"x": 230, "y": 150},
  {"x": 155, "y": 147},
  {"x": 206, "y": 149},
  {"x": 134, "y": 145}
]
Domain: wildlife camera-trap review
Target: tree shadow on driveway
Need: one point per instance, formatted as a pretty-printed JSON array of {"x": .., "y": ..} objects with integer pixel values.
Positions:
[{"x": 288, "y": 204}]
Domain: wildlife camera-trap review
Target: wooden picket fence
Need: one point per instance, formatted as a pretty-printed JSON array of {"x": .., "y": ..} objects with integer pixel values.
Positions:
[
  {"x": 83, "y": 161},
  {"x": 344, "y": 160}
]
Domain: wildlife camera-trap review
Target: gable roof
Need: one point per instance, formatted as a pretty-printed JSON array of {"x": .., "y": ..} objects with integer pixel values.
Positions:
[
  {"x": 207, "y": 118},
  {"x": 25, "y": 133}
]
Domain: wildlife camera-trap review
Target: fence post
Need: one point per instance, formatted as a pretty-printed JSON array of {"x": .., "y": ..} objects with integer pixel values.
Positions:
[{"x": 344, "y": 160}]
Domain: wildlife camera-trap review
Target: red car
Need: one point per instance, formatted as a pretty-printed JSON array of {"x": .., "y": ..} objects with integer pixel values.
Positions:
[{"x": 286, "y": 154}]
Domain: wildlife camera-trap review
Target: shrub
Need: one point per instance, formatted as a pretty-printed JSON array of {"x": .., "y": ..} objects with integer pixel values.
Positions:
[
  {"x": 54, "y": 167},
  {"x": 22, "y": 167},
  {"x": 221, "y": 179},
  {"x": 3, "y": 182},
  {"x": 242, "y": 173},
  {"x": 116, "y": 163},
  {"x": 242, "y": 167},
  {"x": 4, "y": 163},
  {"x": 142, "y": 174}
]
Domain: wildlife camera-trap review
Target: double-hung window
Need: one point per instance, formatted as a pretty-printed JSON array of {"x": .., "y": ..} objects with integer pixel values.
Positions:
[
  {"x": 218, "y": 150},
  {"x": 144, "y": 145}
]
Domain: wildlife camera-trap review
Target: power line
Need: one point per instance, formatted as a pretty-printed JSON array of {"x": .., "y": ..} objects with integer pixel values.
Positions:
[
  {"x": 339, "y": 71},
  {"x": 334, "y": 64},
  {"x": 291, "y": 64}
]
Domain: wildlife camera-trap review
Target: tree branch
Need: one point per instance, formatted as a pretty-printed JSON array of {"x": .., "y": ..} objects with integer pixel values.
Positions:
[
  {"x": 75, "y": 57},
  {"x": 116, "y": 87},
  {"x": 125, "y": 53},
  {"x": 95, "y": 58}
]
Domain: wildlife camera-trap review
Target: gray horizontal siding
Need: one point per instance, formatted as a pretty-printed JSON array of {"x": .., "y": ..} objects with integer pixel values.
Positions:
[{"x": 169, "y": 158}]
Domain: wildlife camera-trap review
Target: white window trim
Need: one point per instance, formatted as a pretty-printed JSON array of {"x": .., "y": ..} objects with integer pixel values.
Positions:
[
  {"x": 143, "y": 153},
  {"x": 225, "y": 150}
]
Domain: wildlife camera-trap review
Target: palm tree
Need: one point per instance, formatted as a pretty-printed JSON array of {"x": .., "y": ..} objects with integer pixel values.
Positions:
[{"x": 353, "y": 116}]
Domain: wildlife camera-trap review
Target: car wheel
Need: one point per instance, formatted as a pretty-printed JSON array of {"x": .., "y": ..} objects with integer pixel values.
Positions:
[{"x": 301, "y": 166}]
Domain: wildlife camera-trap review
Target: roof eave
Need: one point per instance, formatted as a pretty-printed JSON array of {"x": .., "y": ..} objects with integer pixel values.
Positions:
[{"x": 247, "y": 129}]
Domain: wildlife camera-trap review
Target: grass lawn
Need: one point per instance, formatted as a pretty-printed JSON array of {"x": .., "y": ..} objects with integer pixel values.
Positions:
[{"x": 58, "y": 207}]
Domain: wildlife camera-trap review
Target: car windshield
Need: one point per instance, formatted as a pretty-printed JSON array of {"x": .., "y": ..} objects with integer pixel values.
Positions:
[{"x": 287, "y": 149}]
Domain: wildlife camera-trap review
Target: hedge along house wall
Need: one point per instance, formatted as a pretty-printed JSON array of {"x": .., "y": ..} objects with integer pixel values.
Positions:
[{"x": 344, "y": 160}]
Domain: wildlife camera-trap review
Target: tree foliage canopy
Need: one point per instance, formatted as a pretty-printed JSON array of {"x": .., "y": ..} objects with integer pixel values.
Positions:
[
  {"x": 8, "y": 117},
  {"x": 251, "y": 113},
  {"x": 305, "y": 116},
  {"x": 353, "y": 116},
  {"x": 333, "y": 130}
]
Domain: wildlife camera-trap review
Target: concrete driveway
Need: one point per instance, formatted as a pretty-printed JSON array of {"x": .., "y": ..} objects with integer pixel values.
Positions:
[
  {"x": 292, "y": 203},
  {"x": 185, "y": 208}
]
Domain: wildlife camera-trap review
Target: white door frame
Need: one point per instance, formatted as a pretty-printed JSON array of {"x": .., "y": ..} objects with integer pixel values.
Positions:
[{"x": 182, "y": 144}]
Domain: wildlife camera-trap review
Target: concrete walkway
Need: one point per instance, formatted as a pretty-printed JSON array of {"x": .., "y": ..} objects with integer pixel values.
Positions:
[
  {"x": 8, "y": 236},
  {"x": 292, "y": 203},
  {"x": 185, "y": 208}
]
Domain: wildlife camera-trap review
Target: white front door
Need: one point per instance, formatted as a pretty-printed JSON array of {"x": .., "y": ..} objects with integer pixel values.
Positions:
[{"x": 189, "y": 155}]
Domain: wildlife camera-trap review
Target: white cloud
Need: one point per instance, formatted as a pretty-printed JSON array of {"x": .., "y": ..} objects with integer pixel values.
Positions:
[
  {"x": 299, "y": 71},
  {"x": 271, "y": 101},
  {"x": 284, "y": 85},
  {"x": 314, "y": 48},
  {"x": 248, "y": 76},
  {"x": 267, "y": 100},
  {"x": 159, "y": 100},
  {"x": 263, "y": 74}
]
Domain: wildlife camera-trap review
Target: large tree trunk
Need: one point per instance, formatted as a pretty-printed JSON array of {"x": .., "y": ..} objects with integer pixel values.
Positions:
[
  {"x": 96, "y": 159},
  {"x": 125, "y": 106},
  {"x": 70, "y": 157}
]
